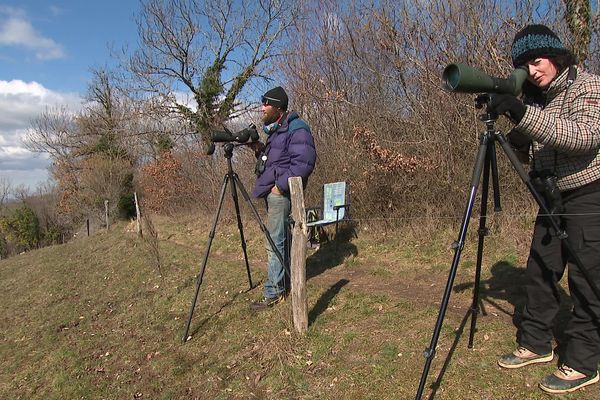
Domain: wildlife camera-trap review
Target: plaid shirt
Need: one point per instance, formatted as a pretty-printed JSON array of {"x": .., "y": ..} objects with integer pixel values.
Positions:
[{"x": 566, "y": 130}]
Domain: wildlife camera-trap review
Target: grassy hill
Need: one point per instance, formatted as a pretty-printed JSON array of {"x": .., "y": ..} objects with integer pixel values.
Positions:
[{"x": 98, "y": 319}]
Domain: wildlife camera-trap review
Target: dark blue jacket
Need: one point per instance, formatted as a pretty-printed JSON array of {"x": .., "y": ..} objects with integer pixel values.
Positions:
[{"x": 290, "y": 152}]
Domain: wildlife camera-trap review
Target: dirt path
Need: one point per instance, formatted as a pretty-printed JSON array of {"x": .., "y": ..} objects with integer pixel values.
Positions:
[{"x": 423, "y": 289}]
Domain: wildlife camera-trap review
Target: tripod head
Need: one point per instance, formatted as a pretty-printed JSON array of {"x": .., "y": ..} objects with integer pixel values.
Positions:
[
  {"x": 229, "y": 146},
  {"x": 489, "y": 117},
  {"x": 228, "y": 150}
]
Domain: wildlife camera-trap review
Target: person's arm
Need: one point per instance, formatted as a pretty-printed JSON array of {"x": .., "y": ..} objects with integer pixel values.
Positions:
[
  {"x": 577, "y": 133},
  {"x": 303, "y": 157}
]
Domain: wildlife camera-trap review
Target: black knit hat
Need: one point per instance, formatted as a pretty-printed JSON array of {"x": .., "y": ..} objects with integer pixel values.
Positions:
[
  {"x": 535, "y": 41},
  {"x": 276, "y": 97}
]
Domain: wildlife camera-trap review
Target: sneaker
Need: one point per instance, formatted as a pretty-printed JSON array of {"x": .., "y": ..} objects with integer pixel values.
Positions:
[
  {"x": 522, "y": 357},
  {"x": 266, "y": 302},
  {"x": 565, "y": 380}
]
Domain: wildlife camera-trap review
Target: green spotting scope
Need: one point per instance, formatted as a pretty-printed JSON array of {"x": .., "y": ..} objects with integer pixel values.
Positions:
[{"x": 465, "y": 79}]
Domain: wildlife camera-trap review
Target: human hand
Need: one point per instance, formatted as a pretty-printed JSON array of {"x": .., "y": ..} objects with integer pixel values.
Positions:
[
  {"x": 258, "y": 147},
  {"x": 508, "y": 105},
  {"x": 275, "y": 190}
]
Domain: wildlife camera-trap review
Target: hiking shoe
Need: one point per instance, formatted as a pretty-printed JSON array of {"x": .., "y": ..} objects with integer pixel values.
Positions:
[
  {"x": 266, "y": 302},
  {"x": 522, "y": 357},
  {"x": 565, "y": 380}
]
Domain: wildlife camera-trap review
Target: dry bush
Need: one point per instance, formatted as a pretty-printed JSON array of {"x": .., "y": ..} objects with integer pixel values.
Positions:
[
  {"x": 165, "y": 186},
  {"x": 367, "y": 78},
  {"x": 188, "y": 180},
  {"x": 84, "y": 185}
]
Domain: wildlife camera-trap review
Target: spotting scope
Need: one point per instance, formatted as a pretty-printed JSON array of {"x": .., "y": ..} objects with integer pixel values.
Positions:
[
  {"x": 465, "y": 79},
  {"x": 249, "y": 133},
  {"x": 246, "y": 135}
]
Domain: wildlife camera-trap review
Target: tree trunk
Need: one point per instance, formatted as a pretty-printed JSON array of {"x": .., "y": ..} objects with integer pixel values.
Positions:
[{"x": 577, "y": 15}]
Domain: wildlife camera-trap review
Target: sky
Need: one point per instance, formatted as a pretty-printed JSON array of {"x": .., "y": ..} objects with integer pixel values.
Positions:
[{"x": 47, "y": 49}]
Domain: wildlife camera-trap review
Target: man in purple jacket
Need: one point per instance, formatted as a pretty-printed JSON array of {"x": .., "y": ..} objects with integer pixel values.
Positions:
[{"x": 289, "y": 151}]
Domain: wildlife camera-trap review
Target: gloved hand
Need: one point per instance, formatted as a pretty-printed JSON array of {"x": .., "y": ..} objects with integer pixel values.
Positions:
[
  {"x": 258, "y": 147},
  {"x": 520, "y": 143},
  {"x": 518, "y": 140},
  {"x": 506, "y": 104}
]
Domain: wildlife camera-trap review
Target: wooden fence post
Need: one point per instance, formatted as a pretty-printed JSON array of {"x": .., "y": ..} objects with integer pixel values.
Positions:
[
  {"x": 106, "y": 213},
  {"x": 298, "y": 256},
  {"x": 137, "y": 215}
]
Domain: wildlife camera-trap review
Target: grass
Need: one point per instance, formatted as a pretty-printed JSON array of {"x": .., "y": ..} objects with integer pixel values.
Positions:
[{"x": 96, "y": 319}]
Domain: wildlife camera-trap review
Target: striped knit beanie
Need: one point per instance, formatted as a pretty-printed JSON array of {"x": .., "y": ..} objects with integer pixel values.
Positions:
[{"x": 535, "y": 41}]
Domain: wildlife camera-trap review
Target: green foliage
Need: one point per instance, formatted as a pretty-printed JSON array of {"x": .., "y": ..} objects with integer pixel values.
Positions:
[
  {"x": 53, "y": 234},
  {"x": 211, "y": 87},
  {"x": 126, "y": 206},
  {"x": 164, "y": 143},
  {"x": 3, "y": 245},
  {"x": 228, "y": 103},
  {"x": 577, "y": 15},
  {"x": 107, "y": 145},
  {"x": 22, "y": 228}
]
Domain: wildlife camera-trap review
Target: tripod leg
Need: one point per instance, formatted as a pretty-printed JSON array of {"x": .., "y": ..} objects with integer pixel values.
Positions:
[
  {"x": 240, "y": 226},
  {"x": 490, "y": 164},
  {"x": 458, "y": 246},
  {"x": 560, "y": 233},
  {"x": 211, "y": 235},
  {"x": 263, "y": 227},
  {"x": 495, "y": 180}
]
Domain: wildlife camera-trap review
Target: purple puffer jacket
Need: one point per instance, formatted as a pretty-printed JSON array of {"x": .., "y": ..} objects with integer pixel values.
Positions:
[{"x": 290, "y": 152}]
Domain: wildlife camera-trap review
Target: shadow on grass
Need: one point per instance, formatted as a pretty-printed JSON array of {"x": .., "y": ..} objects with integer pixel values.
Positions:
[
  {"x": 194, "y": 309},
  {"x": 438, "y": 382},
  {"x": 332, "y": 253},
  {"x": 507, "y": 285},
  {"x": 502, "y": 286},
  {"x": 325, "y": 300}
]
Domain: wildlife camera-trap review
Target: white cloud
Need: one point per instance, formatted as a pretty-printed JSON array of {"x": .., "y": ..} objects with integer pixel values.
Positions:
[
  {"x": 20, "y": 103},
  {"x": 56, "y": 11},
  {"x": 16, "y": 30}
]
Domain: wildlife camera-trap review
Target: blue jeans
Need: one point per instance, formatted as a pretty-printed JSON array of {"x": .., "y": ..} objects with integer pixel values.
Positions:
[{"x": 278, "y": 210}]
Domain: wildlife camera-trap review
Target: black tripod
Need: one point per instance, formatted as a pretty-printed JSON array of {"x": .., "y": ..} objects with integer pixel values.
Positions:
[
  {"x": 486, "y": 161},
  {"x": 235, "y": 182}
]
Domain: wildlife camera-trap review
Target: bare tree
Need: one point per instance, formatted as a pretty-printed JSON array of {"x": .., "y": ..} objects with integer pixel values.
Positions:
[
  {"x": 54, "y": 132},
  {"x": 89, "y": 149},
  {"x": 208, "y": 48},
  {"x": 5, "y": 190}
]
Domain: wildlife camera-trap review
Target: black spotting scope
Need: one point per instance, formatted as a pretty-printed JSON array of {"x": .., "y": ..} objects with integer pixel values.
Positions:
[
  {"x": 226, "y": 136},
  {"x": 249, "y": 133},
  {"x": 465, "y": 79}
]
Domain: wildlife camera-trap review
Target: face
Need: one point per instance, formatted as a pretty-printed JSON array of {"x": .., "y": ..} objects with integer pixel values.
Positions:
[
  {"x": 541, "y": 72},
  {"x": 270, "y": 114}
]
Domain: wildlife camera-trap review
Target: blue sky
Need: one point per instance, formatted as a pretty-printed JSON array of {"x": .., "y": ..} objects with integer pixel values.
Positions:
[{"x": 47, "y": 49}]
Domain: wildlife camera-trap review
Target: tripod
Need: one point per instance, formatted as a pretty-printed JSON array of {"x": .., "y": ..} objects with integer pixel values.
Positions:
[
  {"x": 486, "y": 162},
  {"x": 232, "y": 177}
]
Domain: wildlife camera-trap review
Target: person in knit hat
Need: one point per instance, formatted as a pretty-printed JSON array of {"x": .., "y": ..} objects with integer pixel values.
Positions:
[
  {"x": 558, "y": 122},
  {"x": 289, "y": 151}
]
